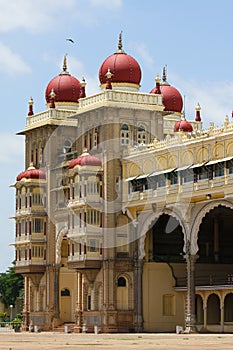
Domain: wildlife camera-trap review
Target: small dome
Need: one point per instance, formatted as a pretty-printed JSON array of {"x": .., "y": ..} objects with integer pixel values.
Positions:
[
  {"x": 124, "y": 68},
  {"x": 183, "y": 125},
  {"x": 172, "y": 99},
  {"x": 65, "y": 86},
  {"x": 85, "y": 159},
  {"x": 31, "y": 173}
]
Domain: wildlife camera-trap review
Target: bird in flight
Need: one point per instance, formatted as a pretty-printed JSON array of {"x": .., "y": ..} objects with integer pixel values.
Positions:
[{"x": 71, "y": 40}]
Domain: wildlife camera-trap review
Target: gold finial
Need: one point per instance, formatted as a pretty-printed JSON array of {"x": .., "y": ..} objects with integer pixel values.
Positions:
[
  {"x": 65, "y": 65},
  {"x": 31, "y": 101},
  {"x": 83, "y": 82},
  {"x": 198, "y": 107},
  {"x": 120, "y": 50},
  {"x": 157, "y": 79},
  {"x": 109, "y": 74},
  {"x": 52, "y": 94}
]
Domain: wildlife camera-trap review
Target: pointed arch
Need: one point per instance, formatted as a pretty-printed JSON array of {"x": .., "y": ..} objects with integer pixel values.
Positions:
[
  {"x": 144, "y": 223},
  {"x": 197, "y": 220},
  {"x": 61, "y": 234}
]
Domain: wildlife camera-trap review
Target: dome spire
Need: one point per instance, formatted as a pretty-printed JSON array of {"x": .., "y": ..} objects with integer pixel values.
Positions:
[
  {"x": 164, "y": 76},
  {"x": 64, "y": 71},
  {"x": 120, "y": 50}
]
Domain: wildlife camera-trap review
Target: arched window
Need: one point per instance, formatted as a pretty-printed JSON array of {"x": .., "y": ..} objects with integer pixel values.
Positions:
[
  {"x": 122, "y": 294},
  {"x": 121, "y": 282},
  {"x": 125, "y": 134},
  {"x": 65, "y": 292},
  {"x": 67, "y": 146},
  {"x": 141, "y": 134}
]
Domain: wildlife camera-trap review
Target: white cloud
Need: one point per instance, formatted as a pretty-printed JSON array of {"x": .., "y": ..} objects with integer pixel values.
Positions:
[
  {"x": 11, "y": 62},
  {"x": 215, "y": 98},
  {"x": 112, "y": 4},
  {"x": 31, "y": 15}
]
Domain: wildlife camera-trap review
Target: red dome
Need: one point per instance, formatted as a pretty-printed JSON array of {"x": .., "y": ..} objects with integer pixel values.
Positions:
[
  {"x": 65, "y": 86},
  {"x": 31, "y": 173},
  {"x": 183, "y": 125},
  {"x": 125, "y": 68},
  {"x": 85, "y": 159},
  {"x": 172, "y": 99}
]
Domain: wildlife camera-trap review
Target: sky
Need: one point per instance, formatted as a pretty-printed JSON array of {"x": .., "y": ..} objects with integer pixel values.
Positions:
[{"x": 193, "y": 38}]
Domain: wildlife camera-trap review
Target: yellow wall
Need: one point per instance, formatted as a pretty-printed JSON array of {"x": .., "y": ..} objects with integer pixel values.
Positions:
[{"x": 157, "y": 290}]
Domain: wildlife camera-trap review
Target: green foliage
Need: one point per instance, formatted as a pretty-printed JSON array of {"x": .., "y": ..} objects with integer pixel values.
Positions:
[{"x": 11, "y": 286}]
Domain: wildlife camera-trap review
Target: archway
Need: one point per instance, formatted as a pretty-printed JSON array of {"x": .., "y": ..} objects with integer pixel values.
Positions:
[
  {"x": 215, "y": 239},
  {"x": 122, "y": 294},
  {"x": 164, "y": 265},
  {"x": 199, "y": 310},
  {"x": 65, "y": 313},
  {"x": 228, "y": 308},
  {"x": 213, "y": 309}
]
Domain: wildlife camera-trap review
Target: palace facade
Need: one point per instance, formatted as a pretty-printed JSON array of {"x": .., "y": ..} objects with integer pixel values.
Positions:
[{"x": 124, "y": 211}]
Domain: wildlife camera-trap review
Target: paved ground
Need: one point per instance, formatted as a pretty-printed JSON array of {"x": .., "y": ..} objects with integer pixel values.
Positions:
[{"x": 64, "y": 341}]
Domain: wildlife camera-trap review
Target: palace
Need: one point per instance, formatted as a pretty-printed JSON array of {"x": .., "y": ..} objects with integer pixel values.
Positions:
[{"x": 124, "y": 211}]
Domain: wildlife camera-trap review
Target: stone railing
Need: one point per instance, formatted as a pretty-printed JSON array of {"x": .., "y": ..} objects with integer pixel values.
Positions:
[
  {"x": 127, "y": 97},
  {"x": 45, "y": 116}
]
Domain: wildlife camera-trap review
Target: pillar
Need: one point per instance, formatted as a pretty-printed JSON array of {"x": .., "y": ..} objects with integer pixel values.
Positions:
[
  {"x": 138, "y": 318},
  {"x": 78, "y": 311},
  {"x": 190, "y": 317},
  {"x": 216, "y": 239}
]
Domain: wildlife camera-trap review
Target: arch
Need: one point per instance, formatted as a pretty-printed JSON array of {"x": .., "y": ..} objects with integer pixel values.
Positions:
[
  {"x": 67, "y": 147},
  {"x": 187, "y": 158},
  {"x": 61, "y": 234},
  {"x": 228, "y": 307},
  {"x": 229, "y": 149},
  {"x": 199, "y": 309},
  {"x": 144, "y": 223},
  {"x": 213, "y": 309},
  {"x": 202, "y": 155},
  {"x": 172, "y": 161},
  {"x": 199, "y": 217},
  {"x": 65, "y": 292},
  {"x": 122, "y": 293}
]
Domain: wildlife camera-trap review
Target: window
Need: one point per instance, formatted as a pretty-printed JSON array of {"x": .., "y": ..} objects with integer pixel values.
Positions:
[
  {"x": 230, "y": 166},
  {"x": 141, "y": 134},
  {"x": 161, "y": 180},
  {"x": 187, "y": 175},
  {"x": 202, "y": 173},
  {"x": 125, "y": 134},
  {"x": 218, "y": 169},
  {"x": 92, "y": 245},
  {"x": 89, "y": 302},
  {"x": 168, "y": 305},
  {"x": 121, "y": 282},
  {"x": 174, "y": 178},
  {"x": 38, "y": 225},
  {"x": 67, "y": 146},
  {"x": 65, "y": 292}
]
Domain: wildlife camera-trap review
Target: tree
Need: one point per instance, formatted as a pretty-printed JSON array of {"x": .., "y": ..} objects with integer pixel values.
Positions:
[{"x": 11, "y": 286}]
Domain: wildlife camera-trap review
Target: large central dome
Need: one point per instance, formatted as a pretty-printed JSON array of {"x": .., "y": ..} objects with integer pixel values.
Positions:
[{"x": 126, "y": 72}]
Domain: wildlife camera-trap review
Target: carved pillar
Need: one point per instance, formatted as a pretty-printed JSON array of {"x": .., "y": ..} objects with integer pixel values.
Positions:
[
  {"x": 222, "y": 317},
  {"x": 205, "y": 316},
  {"x": 26, "y": 303},
  {"x": 138, "y": 318},
  {"x": 78, "y": 311},
  {"x": 190, "y": 317},
  {"x": 216, "y": 239}
]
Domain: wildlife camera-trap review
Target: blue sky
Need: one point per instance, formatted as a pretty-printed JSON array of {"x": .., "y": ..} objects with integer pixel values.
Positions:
[{"x": 193, "y": 38}]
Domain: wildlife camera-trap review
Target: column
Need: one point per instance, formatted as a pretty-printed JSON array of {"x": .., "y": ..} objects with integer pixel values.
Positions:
[
  {"x": 138, "y": 319},
  {"x": 78, "y": 311},
  {"x": 205, "y": 316},
  {"x": 222, "y": 316},
  {"x": 216, "y": 239},
  {"x": 190, "y": 317}
]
